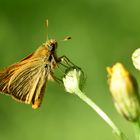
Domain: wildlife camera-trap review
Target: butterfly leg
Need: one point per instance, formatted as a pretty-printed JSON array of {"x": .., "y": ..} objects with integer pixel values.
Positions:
[
  {"x": 52, "y": 77},
  {"x": 63, "y": 60},
  {"x": 58, "y": 80}
]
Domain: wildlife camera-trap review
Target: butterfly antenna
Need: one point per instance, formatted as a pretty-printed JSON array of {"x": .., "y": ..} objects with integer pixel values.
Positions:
[
  {"x": 66, "y": 38},
  {"x": 47, "y": 23}
]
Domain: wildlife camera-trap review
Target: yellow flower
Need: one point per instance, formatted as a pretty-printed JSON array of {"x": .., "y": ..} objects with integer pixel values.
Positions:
[{"x": 124, "y": 91}]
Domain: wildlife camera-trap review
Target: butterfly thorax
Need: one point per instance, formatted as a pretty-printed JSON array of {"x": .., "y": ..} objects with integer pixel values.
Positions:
[{"x": 48, "y": 48}]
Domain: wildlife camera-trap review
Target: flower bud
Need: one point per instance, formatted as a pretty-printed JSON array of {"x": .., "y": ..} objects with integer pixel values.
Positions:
[
  {"x": 124, "y": 91},
  {"x": 136, "y": 58},
  {"x": 73, "y": 79}
]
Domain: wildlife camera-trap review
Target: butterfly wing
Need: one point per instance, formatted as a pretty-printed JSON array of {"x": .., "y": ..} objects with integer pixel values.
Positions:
[
  {"x": 25, "y": 81},
  {"x": 6, "y": 74}
]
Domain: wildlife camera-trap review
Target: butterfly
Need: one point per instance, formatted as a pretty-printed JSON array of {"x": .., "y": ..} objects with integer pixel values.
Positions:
[{"x": 25, "y": 80}]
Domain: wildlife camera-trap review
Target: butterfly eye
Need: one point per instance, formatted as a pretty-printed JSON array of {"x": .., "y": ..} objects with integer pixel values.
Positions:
[{"x": 51, "y": 47}]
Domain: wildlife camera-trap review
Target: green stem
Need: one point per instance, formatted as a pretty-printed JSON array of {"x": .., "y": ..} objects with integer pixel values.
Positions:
[
  {"x": 137, "y": 130},
  {"x": 101, "y": 113}
]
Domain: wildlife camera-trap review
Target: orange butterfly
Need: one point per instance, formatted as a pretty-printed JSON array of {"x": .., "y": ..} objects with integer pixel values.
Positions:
[{"x": 25, "y": 80}]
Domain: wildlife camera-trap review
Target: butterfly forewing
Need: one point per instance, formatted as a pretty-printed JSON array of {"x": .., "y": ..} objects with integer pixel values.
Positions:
[{"x": 25, "y": 80}]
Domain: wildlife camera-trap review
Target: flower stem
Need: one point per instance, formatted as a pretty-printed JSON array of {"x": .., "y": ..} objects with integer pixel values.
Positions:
[
  {"x": 137, "y": 129},
  {"x": 101, "y": 113}
]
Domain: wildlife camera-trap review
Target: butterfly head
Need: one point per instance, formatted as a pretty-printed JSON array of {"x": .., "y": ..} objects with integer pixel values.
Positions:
[{"x": 51, "y": 44}]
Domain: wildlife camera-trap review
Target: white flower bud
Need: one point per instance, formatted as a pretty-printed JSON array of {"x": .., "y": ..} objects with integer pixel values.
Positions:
[
  {"x": 136, "y": 58},
  {"x": 72, "y": 80}
]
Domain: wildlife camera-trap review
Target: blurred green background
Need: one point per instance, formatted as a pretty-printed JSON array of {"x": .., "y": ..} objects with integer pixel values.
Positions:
[{"x": 103, "y": 32}]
